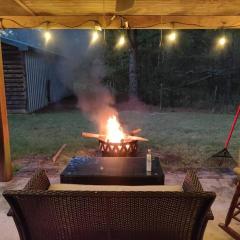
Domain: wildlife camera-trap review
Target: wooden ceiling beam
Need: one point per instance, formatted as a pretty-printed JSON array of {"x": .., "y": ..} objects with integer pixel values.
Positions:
[
  {"x": 140, "y": 7},
  {"x": 27, "y": 9},
  {"x": 141, "y": 22}
]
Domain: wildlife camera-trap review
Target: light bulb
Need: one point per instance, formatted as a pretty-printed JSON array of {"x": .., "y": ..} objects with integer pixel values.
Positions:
[
  {"x": 47, "y": 36},
  {"x": 121, "y": 41},
  {"x": 95, "y": 37},
  {"x": 222, "y": 41},
  {"x": 172, "y": 37}
]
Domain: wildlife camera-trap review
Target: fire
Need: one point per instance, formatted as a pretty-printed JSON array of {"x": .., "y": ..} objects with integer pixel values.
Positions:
[{"x": 114, "y": 131}]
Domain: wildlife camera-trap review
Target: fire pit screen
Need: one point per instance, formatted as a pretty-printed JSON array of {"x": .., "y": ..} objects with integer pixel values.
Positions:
[
  {"x": 123, "y": 149},
  {"x": 116, "y": 142}
]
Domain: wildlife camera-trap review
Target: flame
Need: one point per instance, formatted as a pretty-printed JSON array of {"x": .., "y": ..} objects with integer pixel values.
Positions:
[{"x": 114, "y": 132}]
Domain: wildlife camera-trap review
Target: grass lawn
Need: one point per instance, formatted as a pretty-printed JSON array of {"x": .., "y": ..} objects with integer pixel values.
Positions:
[{"x": 193, "y": 137}]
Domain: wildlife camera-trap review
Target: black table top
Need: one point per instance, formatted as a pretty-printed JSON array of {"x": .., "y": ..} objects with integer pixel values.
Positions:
[{"x": 112, "y": 170}]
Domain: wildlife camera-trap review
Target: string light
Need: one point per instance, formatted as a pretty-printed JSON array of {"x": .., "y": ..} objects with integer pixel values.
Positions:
[
  {"x": 95, "y": 37},
  {"x": 172, "y": 37},
  {"x": 47, "y": 36},
  {"x": 95, "y": 34},
  {"x": 221, "y": 42},
  {"x": 121, "y": 41}
]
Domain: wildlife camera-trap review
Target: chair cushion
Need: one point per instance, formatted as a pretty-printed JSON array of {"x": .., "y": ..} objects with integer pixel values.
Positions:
[{"x": 98, "y": 188}]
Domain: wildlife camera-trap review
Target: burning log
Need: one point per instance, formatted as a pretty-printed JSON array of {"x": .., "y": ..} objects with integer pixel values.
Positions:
[
  {"x": 103, "y": 137},
  {"x": 92, "y": 135},
  {"x": 135, "y": 131},
  {"x": 136, "y": 138}
]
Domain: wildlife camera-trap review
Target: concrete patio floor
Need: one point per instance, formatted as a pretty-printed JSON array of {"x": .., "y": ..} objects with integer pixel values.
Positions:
[{"x": 218, "y": 181}]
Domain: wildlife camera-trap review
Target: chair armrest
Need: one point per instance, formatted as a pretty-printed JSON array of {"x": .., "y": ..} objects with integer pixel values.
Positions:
[
  {"x": 39, "y": 181},
  {"x": 191, "y": 183}
]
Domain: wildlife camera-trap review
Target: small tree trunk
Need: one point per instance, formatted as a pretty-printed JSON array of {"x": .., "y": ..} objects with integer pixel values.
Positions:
[
  {"x": 214, "y": 99},
  {"x": 133, "y": 81},
  {"x": 161, "y": 96}
]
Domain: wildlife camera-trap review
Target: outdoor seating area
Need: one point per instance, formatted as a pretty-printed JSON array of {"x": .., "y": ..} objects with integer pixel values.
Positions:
[
  {"x": 119, "y": 119},
  {"x": 177, "y": 185},
  {"x": 44, "y": 210}
]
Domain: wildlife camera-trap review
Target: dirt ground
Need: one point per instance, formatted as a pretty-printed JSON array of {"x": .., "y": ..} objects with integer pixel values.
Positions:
[{"x": 217, "y": 180}]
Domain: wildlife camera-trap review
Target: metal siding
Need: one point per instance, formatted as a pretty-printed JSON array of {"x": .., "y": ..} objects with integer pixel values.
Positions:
[
  {"x": 40, "y": 68},
  {"x": 36, "y": 71},
  {"x": 58, "y": 85}
]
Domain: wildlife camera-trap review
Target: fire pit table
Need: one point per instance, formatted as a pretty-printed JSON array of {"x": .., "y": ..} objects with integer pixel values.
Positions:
[{"x": 112, "y": 171}]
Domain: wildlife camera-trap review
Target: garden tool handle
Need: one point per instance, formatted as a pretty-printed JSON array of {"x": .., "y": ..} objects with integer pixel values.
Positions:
[{"x": 232, "y": 127}]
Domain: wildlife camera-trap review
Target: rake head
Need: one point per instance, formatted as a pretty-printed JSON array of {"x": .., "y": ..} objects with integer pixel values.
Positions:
[{"x": 222, "y": 156}]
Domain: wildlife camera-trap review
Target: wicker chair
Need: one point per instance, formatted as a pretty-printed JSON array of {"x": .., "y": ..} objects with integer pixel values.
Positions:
[{"x": 42, "y": 214}]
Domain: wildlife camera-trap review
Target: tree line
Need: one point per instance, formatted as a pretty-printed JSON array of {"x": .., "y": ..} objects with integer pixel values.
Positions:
[{"x": 190, "y": 73}]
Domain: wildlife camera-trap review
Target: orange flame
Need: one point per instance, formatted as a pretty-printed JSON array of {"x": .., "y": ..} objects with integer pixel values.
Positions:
[{"x": 114, "y": 132}]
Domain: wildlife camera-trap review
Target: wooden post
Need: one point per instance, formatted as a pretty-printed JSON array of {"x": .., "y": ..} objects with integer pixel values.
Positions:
[{"x": 5, "y": 158}]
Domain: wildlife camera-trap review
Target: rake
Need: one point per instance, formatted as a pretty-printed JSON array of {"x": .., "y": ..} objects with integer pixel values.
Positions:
[{"x": 224, "y": 155}]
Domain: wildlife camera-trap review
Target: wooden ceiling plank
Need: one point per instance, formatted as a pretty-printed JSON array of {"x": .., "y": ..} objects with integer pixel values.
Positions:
[
  {"x": 73, "y": 7},
  {"x": 10, "y": 7},
  {"x": 22, "y": 5},
  {"x": 138, "y": 22},
  {"x": 140, "y": 7}
]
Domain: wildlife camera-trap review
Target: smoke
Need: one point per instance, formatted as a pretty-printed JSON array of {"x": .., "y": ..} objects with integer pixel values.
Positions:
[
  {"x": 84, "y": 73},
  {"x": 94, "y": 99}
]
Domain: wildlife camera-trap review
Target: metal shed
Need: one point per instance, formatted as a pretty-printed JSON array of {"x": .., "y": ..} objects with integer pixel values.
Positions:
[{"x": 32, "y": 77}]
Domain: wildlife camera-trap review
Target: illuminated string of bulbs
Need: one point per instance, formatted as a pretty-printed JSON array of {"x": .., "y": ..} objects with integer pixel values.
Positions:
[
  {"x": 220, "y": 43},
  {"x": 171, "y": 37},
  {"x": 95, "y": 35}
]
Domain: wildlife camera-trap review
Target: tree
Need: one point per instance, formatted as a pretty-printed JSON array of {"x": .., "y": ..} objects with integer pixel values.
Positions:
[{"x": 133, "y": 79}]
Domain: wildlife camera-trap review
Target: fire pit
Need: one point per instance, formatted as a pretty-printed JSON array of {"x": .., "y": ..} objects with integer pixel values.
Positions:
[{"x": 116, "y": 142}]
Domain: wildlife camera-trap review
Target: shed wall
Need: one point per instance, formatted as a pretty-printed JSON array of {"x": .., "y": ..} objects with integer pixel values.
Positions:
[
  {"x": 36, "y": 79},
  {"x": 58, "y": 84},
  {"x": 14, "y": 76},
  {"x": 44, "y": 83}
]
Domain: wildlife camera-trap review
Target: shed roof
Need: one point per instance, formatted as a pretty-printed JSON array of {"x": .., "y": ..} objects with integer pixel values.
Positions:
[
  {"x": 23, "y": 46},
  {"x": 142, "y": 14}
]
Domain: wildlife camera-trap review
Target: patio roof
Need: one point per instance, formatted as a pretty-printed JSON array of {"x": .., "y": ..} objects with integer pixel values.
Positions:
[
  {"x": 142, "y": 14},
  {"x": 146, "y": 14}
]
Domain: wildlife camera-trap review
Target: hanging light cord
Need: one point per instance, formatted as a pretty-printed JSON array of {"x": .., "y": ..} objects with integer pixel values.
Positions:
[
  {"x": 118, "y": 17},
  {"x": 48, "y": 23},
  {"x": 161, "y": 38}
]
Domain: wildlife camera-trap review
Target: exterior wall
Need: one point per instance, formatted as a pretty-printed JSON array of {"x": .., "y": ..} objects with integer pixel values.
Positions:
[
  {"x": 36, "y": 79},
  {"x": 33, "y": 76},
  {"x": 58, "y": 86},
  {"x": 44, "y": 83}
]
